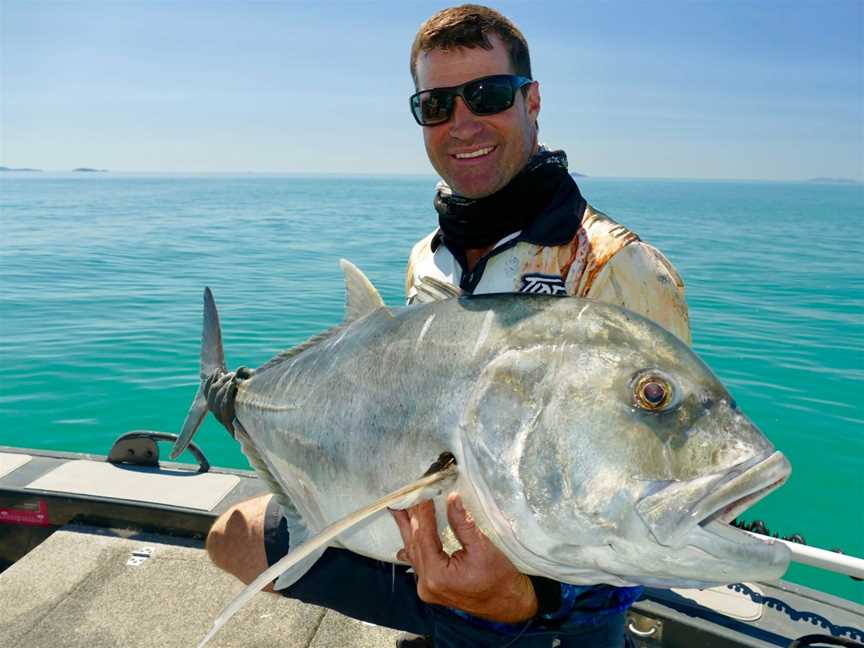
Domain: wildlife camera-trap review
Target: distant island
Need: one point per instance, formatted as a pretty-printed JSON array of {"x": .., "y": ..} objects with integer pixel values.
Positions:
[
  {"x": 833, "y": 181},
  {"x": 578, "y": 175},
  {"x": 78, "y": 170}
]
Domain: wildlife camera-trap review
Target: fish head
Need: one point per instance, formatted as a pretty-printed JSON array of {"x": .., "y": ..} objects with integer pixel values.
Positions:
[{"x": 615, "y": 455}]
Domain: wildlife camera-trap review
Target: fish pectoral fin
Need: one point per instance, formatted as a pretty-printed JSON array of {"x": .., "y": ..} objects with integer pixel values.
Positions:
[
  {"x": 435, "y": 481},
  {"x": 298, "y": 570},
  {"x": 361, "y": 297},
  {"x": 416, "y": 497}
]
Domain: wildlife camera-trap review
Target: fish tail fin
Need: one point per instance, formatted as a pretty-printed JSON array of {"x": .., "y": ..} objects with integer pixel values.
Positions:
[
  {"x": 212, "y": 353},
  {"x": 212, "y": 361},
  {"x": 194, "y": 418}
]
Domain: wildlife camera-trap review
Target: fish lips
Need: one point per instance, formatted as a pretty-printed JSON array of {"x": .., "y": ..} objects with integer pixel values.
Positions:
[{"x": 671, "y": 517}]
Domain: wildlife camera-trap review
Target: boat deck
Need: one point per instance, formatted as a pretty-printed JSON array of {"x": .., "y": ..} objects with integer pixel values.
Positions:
[{"x": 87, "y": 587}]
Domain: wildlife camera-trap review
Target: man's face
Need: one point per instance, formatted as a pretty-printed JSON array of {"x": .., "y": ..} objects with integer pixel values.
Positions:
[{"x": 505, "y": 141}]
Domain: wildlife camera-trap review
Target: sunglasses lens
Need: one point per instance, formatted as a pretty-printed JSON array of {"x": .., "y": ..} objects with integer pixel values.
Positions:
[
  {"x": 486, "y": 96},
  {"x": 490, "y": 95},
  {"x": 432, "y": 107}
]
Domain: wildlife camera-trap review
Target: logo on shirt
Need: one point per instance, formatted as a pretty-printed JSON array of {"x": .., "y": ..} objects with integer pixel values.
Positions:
[{"x": 542, "y": 284}]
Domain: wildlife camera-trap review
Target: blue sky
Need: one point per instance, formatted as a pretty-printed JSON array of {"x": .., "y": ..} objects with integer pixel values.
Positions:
[{"x": 755, "y": 90}]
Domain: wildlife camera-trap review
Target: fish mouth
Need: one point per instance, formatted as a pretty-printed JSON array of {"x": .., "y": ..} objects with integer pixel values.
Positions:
[
  {"x": 670, "y": 520},
  {"x": 758, "y": 478},
  {"x": 707, "y": 549},
  {"x": 723, "y": 538},
  {"x": 731, "y": 510},
  {"x": 730, "y": 548}
]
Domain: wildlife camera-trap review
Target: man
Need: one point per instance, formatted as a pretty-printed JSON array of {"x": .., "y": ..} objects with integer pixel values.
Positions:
[{"x": 511, "y": 219}]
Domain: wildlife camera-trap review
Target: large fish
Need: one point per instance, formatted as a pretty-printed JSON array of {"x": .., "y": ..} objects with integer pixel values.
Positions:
[{"x": 590, "y": 444}]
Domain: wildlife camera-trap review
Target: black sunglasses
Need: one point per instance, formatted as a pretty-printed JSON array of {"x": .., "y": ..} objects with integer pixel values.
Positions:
[{"x": 484, "y": 96}]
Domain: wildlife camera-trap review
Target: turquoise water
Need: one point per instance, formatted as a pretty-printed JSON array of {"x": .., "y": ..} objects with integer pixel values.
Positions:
[{"x": 100, "y": 305}]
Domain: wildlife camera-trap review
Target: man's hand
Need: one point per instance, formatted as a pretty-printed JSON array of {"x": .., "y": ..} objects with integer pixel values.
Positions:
[
  {"x": 220, "y": 390},
  {"x": 478, "y": 578}
]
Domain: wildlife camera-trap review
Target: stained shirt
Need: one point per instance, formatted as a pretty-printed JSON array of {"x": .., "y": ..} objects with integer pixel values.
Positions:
[{"x": 599, "y": 259}]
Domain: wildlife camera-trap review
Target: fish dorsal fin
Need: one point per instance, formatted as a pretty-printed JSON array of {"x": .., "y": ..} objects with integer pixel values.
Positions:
[
  {"x": 361, "y": 297},
  {"x": 424, "y": 488},
  {"x": 430, "y": 289}
]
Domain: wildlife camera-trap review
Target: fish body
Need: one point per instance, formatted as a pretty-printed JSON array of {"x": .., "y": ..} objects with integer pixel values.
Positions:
[{"x": 592, "y": 445}]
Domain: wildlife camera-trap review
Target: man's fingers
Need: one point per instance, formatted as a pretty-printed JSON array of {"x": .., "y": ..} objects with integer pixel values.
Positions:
[
  {"x": 462, "y": 523},
  {"x": 419, "y": 530},
  {"x": 403, "y": 522},
  {"x": 425, "y": 530}
]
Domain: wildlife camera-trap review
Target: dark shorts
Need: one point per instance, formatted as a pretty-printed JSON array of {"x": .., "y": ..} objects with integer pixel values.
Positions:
[{"x": 386, "y": 595}]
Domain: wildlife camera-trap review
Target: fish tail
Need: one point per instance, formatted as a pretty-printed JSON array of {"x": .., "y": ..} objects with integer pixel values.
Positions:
[{"x": 212, "y": 362}]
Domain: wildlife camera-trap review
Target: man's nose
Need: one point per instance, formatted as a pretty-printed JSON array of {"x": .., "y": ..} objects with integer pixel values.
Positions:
[{"x": 463, "y": 124}]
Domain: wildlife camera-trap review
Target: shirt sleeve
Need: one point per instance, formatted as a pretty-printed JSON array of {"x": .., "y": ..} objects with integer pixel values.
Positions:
[
  {"x": 410, "y": 290},
  {"x": 638, "y": 277},
  {"x": 421, "y": 249}
]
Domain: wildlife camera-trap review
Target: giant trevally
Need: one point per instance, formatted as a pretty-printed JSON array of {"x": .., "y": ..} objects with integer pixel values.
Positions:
[{"x": 590, "y": 444}]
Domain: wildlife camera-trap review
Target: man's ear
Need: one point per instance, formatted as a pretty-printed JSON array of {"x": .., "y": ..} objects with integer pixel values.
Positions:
[{"x": 532, "y": 101}]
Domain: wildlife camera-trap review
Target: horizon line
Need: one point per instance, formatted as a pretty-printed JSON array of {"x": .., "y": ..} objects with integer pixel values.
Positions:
[{"x": 97, "y": 171}]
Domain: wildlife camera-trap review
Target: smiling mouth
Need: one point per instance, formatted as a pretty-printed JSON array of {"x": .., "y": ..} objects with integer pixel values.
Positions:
[{"x": 472, "y": 155}]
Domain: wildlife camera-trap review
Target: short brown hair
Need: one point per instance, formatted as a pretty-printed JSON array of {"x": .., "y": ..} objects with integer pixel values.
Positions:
[{"x": 469, "y": 26}]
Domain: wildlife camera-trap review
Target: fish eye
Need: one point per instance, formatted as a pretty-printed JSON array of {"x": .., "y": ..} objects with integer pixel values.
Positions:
[{"x": 653, "y": 392}]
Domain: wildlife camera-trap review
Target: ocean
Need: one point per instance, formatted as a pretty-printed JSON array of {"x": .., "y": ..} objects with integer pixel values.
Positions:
[{"x": 101, "y": 277}]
